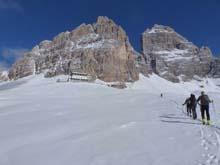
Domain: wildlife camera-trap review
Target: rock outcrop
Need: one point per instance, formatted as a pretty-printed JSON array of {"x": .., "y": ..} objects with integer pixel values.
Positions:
[
  {"x": 172, "y": 56},
  {"x": 102, "y": 49},
  {"x": 3, "y": 76},
  {"x": 215, "y": 68}
]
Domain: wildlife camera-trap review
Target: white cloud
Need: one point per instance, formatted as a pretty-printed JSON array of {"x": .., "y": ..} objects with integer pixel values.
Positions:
[
  {"x": 13, "y": 53},
  {"x": 11, "y": 5}
]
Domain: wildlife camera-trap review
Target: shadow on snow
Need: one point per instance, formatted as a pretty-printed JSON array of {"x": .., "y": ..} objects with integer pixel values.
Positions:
[{"x": 180, "y": 122}]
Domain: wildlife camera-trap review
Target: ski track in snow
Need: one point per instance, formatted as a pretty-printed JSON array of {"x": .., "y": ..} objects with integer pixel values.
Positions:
[{"x": 210, "y": 141}]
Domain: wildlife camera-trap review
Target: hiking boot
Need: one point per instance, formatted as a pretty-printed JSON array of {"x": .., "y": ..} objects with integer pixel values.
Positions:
[
  {"x": 208, "y": 122},
  {"x": 203, "y": 121}
]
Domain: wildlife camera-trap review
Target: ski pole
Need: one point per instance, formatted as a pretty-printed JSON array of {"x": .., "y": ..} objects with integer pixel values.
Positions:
[{"x": 213, "y": 105}]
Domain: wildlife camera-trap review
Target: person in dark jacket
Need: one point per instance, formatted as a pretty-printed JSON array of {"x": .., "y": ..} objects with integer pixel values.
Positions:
[
  {"x": 193, "y": 103},
  {"x": 204, "y": 106},
  {"x": 187, "y": 103}
]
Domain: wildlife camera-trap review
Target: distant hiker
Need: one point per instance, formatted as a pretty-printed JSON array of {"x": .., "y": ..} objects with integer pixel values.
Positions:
[
  {"x": 161, "y": 95},
  {"x": 193, "y": 103},
  {"x": 204, "y": 106},
  {"x": 187, "y": 103}
]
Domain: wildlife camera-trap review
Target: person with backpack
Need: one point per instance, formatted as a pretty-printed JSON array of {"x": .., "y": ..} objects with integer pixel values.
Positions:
[
  {"x": 204, "y": 106},
  {"x": 187, "y": 103},
  {"x": 193, "y": 103}
]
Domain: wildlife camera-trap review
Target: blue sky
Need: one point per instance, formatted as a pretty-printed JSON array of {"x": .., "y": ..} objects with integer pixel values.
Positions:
[{"x": 24, "y": 23}]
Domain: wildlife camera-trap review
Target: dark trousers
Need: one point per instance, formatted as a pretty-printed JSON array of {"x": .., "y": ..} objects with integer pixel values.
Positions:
[
  {"x": 205, "y": 109},
  {"x": 194, "y": 112},
  {"x": 188, "y": 110}
]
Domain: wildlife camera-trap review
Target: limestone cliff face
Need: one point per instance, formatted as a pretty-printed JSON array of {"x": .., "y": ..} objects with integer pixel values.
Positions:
[
  {"x": 174, "y": 57},
  {"x": 215, "y": 68},
  {"x": 23, "y": 67},
  {"x": 101, "y": 49}
]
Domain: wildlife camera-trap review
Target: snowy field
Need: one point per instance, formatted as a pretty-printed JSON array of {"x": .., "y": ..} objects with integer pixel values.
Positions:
[{"x": 43, "y": 122}]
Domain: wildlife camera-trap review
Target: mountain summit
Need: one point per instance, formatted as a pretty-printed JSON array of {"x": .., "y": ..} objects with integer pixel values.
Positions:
[
  {"x": 172, "y": 56},
  {"x": 101, "y": 49}
]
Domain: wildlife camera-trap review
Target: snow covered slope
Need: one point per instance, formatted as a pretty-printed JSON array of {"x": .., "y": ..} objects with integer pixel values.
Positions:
[
  {"x": 155, "y": 84},
  {"x": 47, "y": 123}
]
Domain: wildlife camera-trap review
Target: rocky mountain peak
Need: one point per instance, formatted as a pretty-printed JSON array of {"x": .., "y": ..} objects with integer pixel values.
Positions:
[
  {"x": 107, "y": 28},
  {"x": 101, "y": 49},
  {"x": 160, "y": 29},
  {"x": 104, "y": 20},
  {"x": 165, "y": 38},
  {"x": 172, "y": 56}
]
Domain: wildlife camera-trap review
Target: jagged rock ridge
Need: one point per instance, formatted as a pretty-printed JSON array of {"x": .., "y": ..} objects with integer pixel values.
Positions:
[
  {"x": 174, "y": 57},
  {"x": 101, "y": 49},
  {"x": 215, "y": 68}
]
